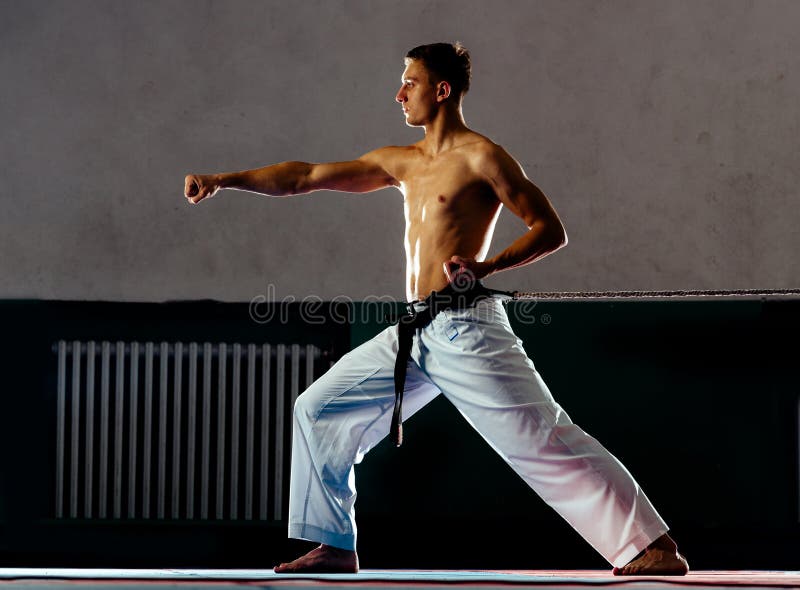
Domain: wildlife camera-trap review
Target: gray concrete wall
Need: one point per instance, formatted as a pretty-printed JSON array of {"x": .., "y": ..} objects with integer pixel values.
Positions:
[{"x": 665, "y": 134}]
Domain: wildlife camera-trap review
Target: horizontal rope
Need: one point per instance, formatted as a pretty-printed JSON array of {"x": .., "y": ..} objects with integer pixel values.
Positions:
[{"x": 649, "y": 294}]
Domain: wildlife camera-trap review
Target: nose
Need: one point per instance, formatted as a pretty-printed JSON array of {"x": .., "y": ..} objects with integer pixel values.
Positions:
[{"x": 401, "y": 96}]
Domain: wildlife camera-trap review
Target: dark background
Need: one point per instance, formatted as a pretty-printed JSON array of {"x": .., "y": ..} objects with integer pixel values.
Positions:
[{"x": 698, "y": 398}]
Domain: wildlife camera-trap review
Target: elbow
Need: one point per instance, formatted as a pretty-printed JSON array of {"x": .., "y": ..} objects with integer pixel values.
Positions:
[
  {"x": 300, "y": 181},
  {"x": 562, "y": 240},
  {"x": 298, "y": 177},
  {"x": 558, "y": 236},
  {"x": 552, "y": 235},
  {"x": 558, "y": 242}
]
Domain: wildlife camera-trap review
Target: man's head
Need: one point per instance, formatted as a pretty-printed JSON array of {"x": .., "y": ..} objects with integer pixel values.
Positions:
[
  {"x": 445, "y": 62},
  {"x": 439, "y": 72}
]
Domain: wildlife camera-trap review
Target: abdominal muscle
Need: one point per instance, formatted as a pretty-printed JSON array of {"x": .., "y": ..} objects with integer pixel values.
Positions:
[{"x": 431, "y": 245}]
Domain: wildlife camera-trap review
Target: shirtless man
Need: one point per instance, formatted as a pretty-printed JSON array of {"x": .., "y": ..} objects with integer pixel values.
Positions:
[{"x": 454, "y": 183}]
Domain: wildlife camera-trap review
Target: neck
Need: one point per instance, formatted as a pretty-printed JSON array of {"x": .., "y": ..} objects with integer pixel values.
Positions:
[{"x": 441, "y": 133}]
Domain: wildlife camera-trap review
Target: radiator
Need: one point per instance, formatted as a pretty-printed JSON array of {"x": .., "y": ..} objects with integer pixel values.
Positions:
[{"x": 174, "y": 430}]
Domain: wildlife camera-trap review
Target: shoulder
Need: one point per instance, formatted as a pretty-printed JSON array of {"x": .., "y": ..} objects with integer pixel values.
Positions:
[
  {"x": 390, "y": 154},
  {"x": 393, "y": 159},
  {"x": 491, "y": 159}
]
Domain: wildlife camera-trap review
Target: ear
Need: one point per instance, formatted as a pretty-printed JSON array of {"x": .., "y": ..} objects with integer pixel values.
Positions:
[{"x": 442, "y": 91}]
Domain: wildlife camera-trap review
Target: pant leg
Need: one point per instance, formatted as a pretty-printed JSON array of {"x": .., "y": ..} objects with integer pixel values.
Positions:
[
  {"x": 337, "y": 420},
  {"x": 479, "y": 364}
]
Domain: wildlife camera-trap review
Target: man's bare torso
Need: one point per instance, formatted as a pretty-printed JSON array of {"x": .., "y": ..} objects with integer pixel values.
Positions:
[{"x": 450, "y": 209}]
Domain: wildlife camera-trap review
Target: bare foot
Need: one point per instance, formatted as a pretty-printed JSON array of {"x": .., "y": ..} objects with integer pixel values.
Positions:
[
  {"x": 325, "y": 559},
  {"x": 661, "y": 558}
]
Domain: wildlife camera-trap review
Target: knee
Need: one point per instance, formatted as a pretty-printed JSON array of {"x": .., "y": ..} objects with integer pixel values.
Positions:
[
  {"x": 572, "y": 437},
  {"x": 306, "y": 407}
]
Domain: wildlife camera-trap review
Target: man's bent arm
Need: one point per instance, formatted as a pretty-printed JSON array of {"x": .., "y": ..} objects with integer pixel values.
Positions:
[
  {"x": 545, "y": 232},
  {"x": 535, "y": 244}
]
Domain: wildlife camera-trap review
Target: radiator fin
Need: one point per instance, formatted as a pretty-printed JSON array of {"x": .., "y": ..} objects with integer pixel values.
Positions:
[{"x": 176, "y": 430}]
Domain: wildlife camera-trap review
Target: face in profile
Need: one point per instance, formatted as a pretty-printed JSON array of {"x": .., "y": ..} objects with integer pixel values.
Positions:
[{"x": 417, "y": 95}]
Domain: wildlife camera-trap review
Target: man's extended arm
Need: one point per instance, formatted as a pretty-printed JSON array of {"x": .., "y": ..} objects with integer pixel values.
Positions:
[{"x": 365, "y": 174}]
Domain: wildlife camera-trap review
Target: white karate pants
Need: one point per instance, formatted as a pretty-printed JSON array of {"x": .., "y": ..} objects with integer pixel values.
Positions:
[{"x": 473, "y": 357}]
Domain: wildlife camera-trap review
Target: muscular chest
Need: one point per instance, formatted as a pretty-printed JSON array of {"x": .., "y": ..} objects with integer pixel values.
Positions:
[{"x": 439, "y": 192}]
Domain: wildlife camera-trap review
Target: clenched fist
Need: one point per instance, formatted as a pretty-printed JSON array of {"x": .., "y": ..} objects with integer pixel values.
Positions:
[{"x": 198, "y": 187}]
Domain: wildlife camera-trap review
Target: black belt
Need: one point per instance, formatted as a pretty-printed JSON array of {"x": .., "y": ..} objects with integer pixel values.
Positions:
[{"x": 451, "y": 297}]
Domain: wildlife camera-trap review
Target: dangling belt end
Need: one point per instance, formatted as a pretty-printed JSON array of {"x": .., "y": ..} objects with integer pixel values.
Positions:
[{"x": 396, "y": 428}]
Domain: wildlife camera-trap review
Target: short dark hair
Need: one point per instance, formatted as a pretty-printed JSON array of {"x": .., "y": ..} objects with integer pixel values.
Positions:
[{"x": 448, "y": 62}]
